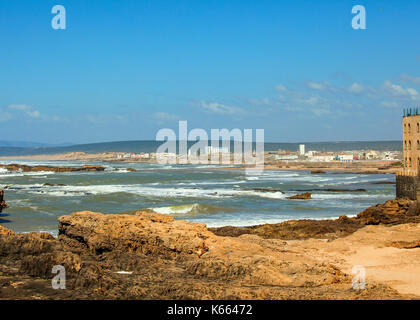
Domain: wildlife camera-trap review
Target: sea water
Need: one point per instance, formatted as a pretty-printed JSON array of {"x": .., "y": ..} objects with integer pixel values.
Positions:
[{"x": 210, "y": 194}]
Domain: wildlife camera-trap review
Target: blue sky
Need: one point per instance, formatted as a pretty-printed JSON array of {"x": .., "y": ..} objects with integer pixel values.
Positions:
[{"x": 124, "y": 69}]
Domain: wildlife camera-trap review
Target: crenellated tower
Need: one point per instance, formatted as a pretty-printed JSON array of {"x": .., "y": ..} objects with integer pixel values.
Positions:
[{"x": 408, "y": 185}]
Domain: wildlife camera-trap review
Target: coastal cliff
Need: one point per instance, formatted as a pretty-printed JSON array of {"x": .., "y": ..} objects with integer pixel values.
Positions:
[{"x": 153, "y": 256}]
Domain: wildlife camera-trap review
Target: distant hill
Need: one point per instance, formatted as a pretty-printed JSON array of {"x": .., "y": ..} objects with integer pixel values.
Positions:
[
  {"x": 29, "y": 144},
  {"x": 151, "y": 146}
]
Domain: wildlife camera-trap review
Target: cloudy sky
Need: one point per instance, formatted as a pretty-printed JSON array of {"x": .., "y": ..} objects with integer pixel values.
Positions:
[{"x": 121, "y": 70}]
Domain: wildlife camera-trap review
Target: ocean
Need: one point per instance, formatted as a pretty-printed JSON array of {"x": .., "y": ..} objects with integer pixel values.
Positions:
[{"x": 196, "y": 193}]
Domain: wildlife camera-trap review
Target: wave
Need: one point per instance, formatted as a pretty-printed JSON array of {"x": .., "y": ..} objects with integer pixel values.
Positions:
[
  {"x": 146, "y": 191},
  {"x": 189, "y": 209},
  {"x": 4, "y": 173}
]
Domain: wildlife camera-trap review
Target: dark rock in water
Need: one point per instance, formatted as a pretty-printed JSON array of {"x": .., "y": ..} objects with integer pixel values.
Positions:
[
  {"x": 303, "y": 196},
  {"x": 385, "y": 182},
  {"x": 344, "y": 190},
  {"x": 131, "y": 170},
  {"x": 315, "y": 171},
  {"x": 25, "y": 168},
  {"x": 3, "y": 204},
  {"x": 47, "y": 184},
  {"x": 334, "y": 190}
]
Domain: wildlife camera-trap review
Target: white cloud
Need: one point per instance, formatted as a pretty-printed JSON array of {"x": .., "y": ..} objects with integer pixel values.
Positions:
[
  {"x": 164, "y": 116},
  {"x": 356, "y": 88},
  {"x": 29, "y": 110},
  {"x": 399, "y": 91},
  {"x": 33, "y": 113},
  {"x": 5, "y": 116},
  {"x": 390, "y": 104},
  {"x": 218, "y": 108},
  {"x": 316, "y": 85},
  {"x": 281, "y": 88},
  {"x": 21, "y": 107},
  {"x": 411, "y": 79}
]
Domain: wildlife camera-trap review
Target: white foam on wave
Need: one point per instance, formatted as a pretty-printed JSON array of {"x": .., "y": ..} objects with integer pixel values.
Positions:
[
  {"x": 148, "y": 191},
  {"x": 4, "y": 173}
]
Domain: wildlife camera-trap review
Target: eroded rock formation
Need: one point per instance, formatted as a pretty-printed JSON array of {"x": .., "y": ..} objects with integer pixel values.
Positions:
[
  {"x": 3, "y": 204},
  {"x": 163, "y": 258},
  {"x": 302, "y": 196},
  {"x": 391, "y": 212}
]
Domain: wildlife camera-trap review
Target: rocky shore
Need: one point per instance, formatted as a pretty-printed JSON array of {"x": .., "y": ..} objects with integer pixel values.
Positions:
[
  {"x": 153, "y": 256},
  {"x": 26, "y": 168}
]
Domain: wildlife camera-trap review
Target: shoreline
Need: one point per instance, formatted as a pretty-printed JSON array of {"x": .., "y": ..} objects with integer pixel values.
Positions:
[{"x": 360, "y": 167}]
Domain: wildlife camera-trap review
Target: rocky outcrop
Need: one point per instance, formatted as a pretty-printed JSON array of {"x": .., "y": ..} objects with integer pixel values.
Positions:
[
  {"x": 26, "y": 168},
  {"x": 302, "y": 196},
  {"x": 335, "y": 190},
  {"x": 317, "y": 171},
  {"x": 153, "y": 256},
  {"x": 391, "y": 212},
  {"x": 3, "y": 204}
]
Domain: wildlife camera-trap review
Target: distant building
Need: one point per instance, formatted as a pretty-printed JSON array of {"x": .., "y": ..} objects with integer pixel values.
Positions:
[
  {"x": 302, "y": 149},
  {"x": 289, "y": 157},
  {"x": 346, "y": 158},
  {"x": 211, "y": 149}
]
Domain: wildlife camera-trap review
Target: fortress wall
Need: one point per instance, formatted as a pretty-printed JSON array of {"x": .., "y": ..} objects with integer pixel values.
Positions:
[{"x": 407, "y": 187}]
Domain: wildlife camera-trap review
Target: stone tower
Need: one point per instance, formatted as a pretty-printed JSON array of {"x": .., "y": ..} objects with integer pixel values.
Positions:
[{"x": 408, "y": 185}]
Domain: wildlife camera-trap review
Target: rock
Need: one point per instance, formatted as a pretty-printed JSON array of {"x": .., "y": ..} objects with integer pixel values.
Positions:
[
  {"x": 47, "y": 184},
  {"x": 3, "y": 204},
  {"x": 317, "y": 171},
  {"x": 384, "y": 182},
  {"x": 304, "y": 196},
  {"x": 5, "y": 231},
  {"x": 131, "y": 170},
  {"x": 334, "y": 190},
  {"x": 392, "y": 212},
  {"x": 163, "y": 258},
  {"x": 25, "y": 168}
]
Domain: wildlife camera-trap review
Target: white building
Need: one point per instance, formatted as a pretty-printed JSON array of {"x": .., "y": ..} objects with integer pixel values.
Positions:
[
  {"x": 211, "y": 149},
  {"x": 346, "y": 158},
  {"x": 302, "y": 149},
  {"x": 322, "y": 158},
  {"x": 289, "y": 157}
]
